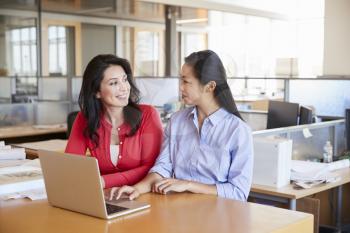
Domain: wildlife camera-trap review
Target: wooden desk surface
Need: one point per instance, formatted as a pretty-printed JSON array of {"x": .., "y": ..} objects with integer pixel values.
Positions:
[
  {"x": 51, "y": 145},
  {"x": 291, "y": 193},
  {"x": 168, "y": 213},
  {"x": 23, "y": 131}
]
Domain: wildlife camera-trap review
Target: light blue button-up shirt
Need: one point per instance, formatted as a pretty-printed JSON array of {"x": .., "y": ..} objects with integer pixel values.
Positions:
[{"x": 221, "y": 154}]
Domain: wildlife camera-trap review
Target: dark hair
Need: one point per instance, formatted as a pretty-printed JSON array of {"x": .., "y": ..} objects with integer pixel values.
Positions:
[
  {"x": 207, "y": 67},
  {"x": 92, "y": 107}
]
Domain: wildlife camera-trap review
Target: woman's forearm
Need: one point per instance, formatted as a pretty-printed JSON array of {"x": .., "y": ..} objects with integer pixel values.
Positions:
[
  {"x": 145, "y": 185},
  {"x": 195, "y": 187}
]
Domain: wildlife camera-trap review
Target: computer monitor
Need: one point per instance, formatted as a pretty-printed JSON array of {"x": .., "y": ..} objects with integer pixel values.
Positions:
[
  {"x": 282, "y": 114},
  {"x": 305, "y": 116}
]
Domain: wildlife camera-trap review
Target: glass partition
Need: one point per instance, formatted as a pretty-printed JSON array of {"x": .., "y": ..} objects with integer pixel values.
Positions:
[{"x": 308, "y": 140}]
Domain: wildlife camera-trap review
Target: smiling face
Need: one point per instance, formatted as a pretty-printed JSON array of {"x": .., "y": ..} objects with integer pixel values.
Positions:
[
  {"x": 191, "y": 89},
  {"x": 115, "y": 88}
]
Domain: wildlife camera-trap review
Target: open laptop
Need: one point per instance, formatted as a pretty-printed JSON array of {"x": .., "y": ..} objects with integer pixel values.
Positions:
[{"x": 73, "y": 182}]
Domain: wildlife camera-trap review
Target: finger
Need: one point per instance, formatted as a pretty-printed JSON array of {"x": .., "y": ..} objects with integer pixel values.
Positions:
[
  {"x": 159, "y": 183},
  {"x": 125, "y": 189},
  {"x": 165, "y": 187},
  {"x": 113, "y": 190},
  {"x": 162, "y": 186},
  {"x": 134, "y": 195},
  {"x": 168, "y": 189}
]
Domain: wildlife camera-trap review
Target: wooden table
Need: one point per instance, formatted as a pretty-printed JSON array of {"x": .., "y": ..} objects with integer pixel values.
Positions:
[
  {"x": 168, "y": 213},
  {"x": 22, "y": 133},
  {"x": 288, "y": 194},
  {"x": 32, "y": 148}
]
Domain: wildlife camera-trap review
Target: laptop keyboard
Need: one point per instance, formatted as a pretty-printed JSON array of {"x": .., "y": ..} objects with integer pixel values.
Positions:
[{"x": 111, "y": 209}]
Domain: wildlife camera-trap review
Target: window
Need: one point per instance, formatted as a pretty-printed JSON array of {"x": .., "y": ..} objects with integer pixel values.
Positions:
[
  {"x": 57, "y": 50},
  {"x": 23, "y": 51},
  {"x": 148, "y": 59},
  {"x": 192, "y": 42}
]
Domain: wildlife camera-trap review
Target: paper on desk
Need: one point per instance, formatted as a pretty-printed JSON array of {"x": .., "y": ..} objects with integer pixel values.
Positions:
[
  {"x": 12, "y": 163},
  {"x": 55, "y": 126},
  {"x": 35, "y": 194},
  {"x": 307, "y": 133},
  {"x": 314, "y": 171},
  {"x": 331, "y": 178},
  {"x": 7, "y": 147},
  {"x": 308, "y": 171},
  {"x": 15, "y": 153},
  {"x": 2, "y": 143}
]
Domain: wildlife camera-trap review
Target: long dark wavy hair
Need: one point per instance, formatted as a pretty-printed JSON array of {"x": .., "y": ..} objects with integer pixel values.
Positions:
[
  {"x": 207, "y": 67},
  {"x": 92, "y": 107}
]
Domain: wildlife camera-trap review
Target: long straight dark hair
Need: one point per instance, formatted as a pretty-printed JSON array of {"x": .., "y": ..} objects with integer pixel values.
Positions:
[
  {"x": 207, "y": 67},
  {"x": 92, "y": 107}
]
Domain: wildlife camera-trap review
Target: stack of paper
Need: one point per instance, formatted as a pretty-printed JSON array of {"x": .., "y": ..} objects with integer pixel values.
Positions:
[
  {"x": 8, "y": 153},
  {"x": 20, "y": 178},
  {"x": 307, "y": 174},
  {"x": 308, "y": 171}
]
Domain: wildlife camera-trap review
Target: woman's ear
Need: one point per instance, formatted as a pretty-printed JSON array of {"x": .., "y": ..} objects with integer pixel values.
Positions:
[
  {"x": 210, "y": 86},
  {"x": 98, "y": 95}
]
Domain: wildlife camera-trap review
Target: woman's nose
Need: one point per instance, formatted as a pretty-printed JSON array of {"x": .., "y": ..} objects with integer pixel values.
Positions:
[{"x": 123, "y": 87}]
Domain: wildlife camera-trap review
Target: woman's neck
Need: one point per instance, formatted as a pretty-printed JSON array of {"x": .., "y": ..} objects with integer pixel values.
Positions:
[
  {"x": 114, "y": 116},
  {"x": 206, "y": 109}
]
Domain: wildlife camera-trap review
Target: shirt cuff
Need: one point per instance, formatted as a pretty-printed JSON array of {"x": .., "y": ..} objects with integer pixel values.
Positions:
[
  {"x": 227, "y": 190},
  {"x": 163, "y": 172}
]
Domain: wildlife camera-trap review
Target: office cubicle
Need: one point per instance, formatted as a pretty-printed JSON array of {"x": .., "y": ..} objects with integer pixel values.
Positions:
[{"x": 308, "y": 140}]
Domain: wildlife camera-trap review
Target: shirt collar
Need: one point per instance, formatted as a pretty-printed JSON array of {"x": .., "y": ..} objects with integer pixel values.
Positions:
[{"x": 214, "y": 118}]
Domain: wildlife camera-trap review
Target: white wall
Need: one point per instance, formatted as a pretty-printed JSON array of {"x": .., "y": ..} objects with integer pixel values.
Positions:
[
  {"x": 96, "y": 39},
  {"x": 337, "y": 37}
]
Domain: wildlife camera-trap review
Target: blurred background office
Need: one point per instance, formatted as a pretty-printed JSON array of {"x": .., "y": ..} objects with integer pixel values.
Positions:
[{"x": 290, "y": 50}]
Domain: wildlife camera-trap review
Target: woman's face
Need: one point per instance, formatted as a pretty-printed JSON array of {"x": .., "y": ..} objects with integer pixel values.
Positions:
[
  {"x": 191, "y": 89},
  {"x": 114, "y": 88}
]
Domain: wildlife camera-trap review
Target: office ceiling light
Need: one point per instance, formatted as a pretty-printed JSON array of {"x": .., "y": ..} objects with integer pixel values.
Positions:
[{"x": 199, "y": 20}]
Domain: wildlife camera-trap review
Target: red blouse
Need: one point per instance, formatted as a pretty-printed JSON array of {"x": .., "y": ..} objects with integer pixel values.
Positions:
[{"x": 137, "y": 153}]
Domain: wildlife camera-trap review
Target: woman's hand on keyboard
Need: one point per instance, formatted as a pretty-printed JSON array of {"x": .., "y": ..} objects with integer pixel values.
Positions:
[{"x": 130, "y": 191}]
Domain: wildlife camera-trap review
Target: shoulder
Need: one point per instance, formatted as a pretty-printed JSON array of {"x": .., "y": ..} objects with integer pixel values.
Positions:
[
  {"x": 181, "y": 114},
  {"x": 237, "y": 124},
  {"x": 80, "y": 117}
]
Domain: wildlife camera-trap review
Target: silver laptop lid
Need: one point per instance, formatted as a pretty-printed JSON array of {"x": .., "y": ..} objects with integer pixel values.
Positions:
[{"x": 73, "y": 182}]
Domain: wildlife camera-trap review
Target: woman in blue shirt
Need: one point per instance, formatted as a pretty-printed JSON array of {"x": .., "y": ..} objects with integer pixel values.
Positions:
[{"x": 207, "y": 148}]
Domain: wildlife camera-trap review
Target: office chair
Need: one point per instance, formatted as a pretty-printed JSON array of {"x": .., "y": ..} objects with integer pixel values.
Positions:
[{"x": 70, "y": 120}]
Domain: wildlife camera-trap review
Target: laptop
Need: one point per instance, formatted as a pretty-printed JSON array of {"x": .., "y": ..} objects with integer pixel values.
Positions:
[{"x": 73, "y": 182}]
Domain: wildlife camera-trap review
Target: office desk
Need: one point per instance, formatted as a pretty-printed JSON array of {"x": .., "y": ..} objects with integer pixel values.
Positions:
[
  {"x": 168, "y": 213},
  {"x": 32, "y": 148},
  {"x": 291, "y": 195},
  {"x": 288, "y": 194},
  {"x": 18, "y": 133}
]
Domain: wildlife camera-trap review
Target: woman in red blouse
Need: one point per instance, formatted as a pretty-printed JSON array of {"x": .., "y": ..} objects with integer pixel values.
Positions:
[{"x": 123, "y": 136}]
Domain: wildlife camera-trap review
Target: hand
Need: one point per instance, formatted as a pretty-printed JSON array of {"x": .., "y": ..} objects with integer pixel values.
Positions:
[
  {"x": 130, "y": 191},
  {"x": 166, "y": 185}
]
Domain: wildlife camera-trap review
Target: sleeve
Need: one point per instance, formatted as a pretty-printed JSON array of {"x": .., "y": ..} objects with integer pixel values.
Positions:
[
  {"x": 240, "y": 173},
  {"x": 163, "y": 165},
  {"x": 77, "y": 142},
  {"x": 151, "y": 138}
]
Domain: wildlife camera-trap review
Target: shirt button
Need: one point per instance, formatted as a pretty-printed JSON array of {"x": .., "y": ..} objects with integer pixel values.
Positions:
[
  {"x": 120, "y": 143},
  {"x": 118, "y": 129},
  {"x": 120, "y": 156}
]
